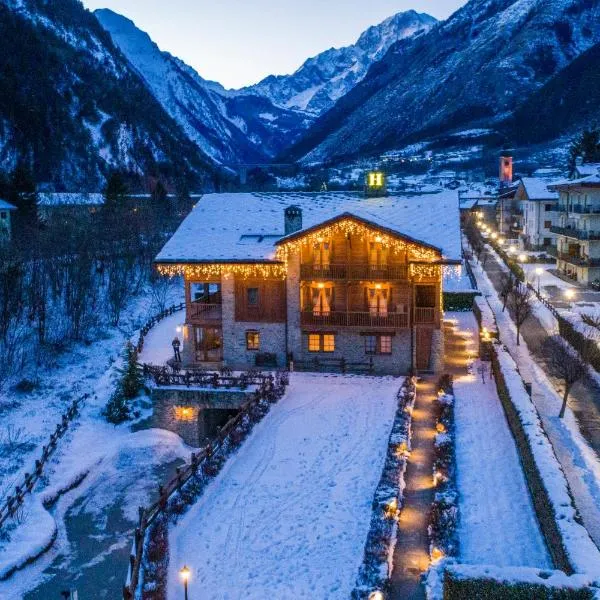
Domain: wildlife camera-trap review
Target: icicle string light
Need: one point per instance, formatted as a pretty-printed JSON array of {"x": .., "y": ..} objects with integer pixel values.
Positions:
[
  {"x": 350, "y": 227},
  {"x": 420, "y": 271},
  {"x": 217, "y": 270}
]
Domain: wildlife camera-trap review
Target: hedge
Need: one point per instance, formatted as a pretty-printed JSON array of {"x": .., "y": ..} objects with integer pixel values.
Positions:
[
  {"x": 539, "y": 494},
  {"x": 489, "y": 589},
  {"x": 586, "y": 347},
  {"x": 459, "y": 301}
]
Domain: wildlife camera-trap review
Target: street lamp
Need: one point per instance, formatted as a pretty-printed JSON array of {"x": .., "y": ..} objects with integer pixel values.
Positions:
[
  {"x": 570, "y": 295},
  {"x": 522, "y": 258},
  {"x": 538, "y": 272},
  {"x": 185, "y": 575},
  {"x": 376, "y": 595}
]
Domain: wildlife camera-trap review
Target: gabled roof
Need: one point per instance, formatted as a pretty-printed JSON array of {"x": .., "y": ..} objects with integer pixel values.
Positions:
[
  {"x": 586, "y": 169},
  {"x": 537, "y": 189},
  {"x": 346, "y": 215},
  {"x": 246, "y": 227},
  {"x": 587, "y": 181},
  {"x": 4, "y": 205}
]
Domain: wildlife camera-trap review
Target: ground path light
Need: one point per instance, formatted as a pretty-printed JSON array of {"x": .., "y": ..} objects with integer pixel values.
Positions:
[{"x": 539, "y": 271}]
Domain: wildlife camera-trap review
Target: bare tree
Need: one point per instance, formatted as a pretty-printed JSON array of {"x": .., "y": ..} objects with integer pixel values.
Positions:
[
  {"x": 564, "y": 364},
  {"x": 520, "y": 301},
  {"x": 507, "y": 284}
]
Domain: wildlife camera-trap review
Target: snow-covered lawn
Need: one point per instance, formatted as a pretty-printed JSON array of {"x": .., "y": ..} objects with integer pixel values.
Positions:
[
  {"x": 497, "y": 523},
  {"x": 289, "y": 514}
]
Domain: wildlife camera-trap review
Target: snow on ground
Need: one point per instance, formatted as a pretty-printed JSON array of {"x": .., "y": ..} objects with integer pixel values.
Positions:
[
  {"x": 497, "y": 523},
  {"x": 157, "y": 344},
  {"x": 88, "y": 447},
  {"x": 288, "y": 516},
  {"x": 578, "y": 461}
]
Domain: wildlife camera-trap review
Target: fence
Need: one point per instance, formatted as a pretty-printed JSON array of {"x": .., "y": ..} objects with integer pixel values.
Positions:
[
  {"x": 150, "y": 323},
  {"x": 268, "y": 390},
  {"x": 164, "y": 376},
  {"x": 12, "y": 503},
  {"x": 337, "y": 365}
]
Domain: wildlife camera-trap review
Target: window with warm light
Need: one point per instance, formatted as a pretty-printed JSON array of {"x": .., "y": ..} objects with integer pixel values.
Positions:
[
  {"x": 252, "y": 340},
  {"x": 329, "y": 342},
  {"x": 314, "y": 342},
  {"x": 385, "y": 344}
]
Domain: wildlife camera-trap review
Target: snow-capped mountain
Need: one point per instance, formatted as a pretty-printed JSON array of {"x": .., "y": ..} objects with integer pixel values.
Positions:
[
  {"x": 470, "y": 71},
  {"x": 325, "y": 78},
  {"x": 72, "y": 107},
  {"x": 229, "y": 127}
]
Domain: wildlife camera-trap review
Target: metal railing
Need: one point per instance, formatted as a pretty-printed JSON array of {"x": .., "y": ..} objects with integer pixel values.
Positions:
[
  {"x": 581, "y": 261},
  {"x": 353, "y": 271},
  {"x": 165, "y": 376},
  {"x": 572, "y": 232},
  {"x": 354, "y": 319}
]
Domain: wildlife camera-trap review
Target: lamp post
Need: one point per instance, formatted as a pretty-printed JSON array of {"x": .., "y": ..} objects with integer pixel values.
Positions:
[
  {"x": 185, "y": 575},
  {"x": 570, "y": 295},
  {"x": 538, "y": 272}
]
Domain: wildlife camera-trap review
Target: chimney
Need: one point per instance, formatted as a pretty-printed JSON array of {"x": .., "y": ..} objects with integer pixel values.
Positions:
[{"x": 292, "y": 219}]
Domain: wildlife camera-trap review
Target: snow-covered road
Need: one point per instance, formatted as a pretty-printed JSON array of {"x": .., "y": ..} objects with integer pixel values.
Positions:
[
  {"x": 497, "y": 519},
  {"x": 289, "y": 514}
]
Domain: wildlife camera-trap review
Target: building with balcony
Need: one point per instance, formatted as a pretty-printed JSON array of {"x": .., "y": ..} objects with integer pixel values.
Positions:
[
  {"x": 538, "y": 212},
  {"x": 578, "y": 227},
  {"x": 277, "y": 277}
]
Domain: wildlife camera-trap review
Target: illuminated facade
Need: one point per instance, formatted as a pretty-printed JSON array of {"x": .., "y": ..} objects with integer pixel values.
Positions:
[{"x": 345, "y": 292}]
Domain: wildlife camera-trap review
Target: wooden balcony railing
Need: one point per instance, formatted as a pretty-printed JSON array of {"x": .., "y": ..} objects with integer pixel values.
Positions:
[
  {"x": 357, "y": 272},
  {"x": 355, "y": 319},
  {"x": 201, "y": 311},
  {"x": 424, "y": 315}
]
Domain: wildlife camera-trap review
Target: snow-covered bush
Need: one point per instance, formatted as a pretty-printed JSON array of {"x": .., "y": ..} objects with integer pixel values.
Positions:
[
  {"x": 376, "y": 566},
  {"x": 443, "y": 539}
]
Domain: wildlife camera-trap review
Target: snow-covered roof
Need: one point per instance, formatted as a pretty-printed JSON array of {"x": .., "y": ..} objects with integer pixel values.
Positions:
[
  {"x": 247, "y": 226},
  {"x": 4, "y": 205},
  {"x": 70, "y": 199},
  {"x": 587, "y": 181},
  {"x": 468, "y": 203},
  {"x": 586, "y": 169},
  {"x": 537, "y": 189}
]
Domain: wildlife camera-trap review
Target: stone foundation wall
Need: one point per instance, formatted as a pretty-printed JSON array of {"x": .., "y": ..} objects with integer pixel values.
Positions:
[{"x": 194, "y": 414}]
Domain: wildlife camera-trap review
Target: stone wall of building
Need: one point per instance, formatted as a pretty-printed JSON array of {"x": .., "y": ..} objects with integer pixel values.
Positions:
[
  {"x": 436, "y": 363},
  {"x": 194, "y": 414},
  {"x": 350, "y": 345},
  {"x": 294, "y": 333},
  {"x": 235, "y": 354}
]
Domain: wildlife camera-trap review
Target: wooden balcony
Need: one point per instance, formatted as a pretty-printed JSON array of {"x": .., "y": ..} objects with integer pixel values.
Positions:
[
  {"x": 345, "y": 271},
  {"x": 424, "y": 315},
  {"x": 202, "y": 312},
  {"x": 354, "y": 319}
]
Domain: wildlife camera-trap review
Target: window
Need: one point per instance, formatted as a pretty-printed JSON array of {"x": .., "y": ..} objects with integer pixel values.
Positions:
[
  {"x": 206, "y": 292},
  {"x": 370, "y": 344},
  {"x": 549, "y": 208},
  {"x": 328, "y": 342},
  {"x": 547, "y": 224},
  {"x": 547, "y": 242},
  {"x": 252, "y": 296},
  {"x": 378, "y": 344},
  {"x": 314, "y": 342},
  {"x": 385, "y": 344},
  {"x": 321, "y": 342},
  {"x": 426, "y": 296},
  {"x": 252, "y": 340}
]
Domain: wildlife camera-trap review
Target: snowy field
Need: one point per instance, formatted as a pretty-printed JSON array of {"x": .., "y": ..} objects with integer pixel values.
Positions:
[
  {"x": 289, "y": 514},
  {"x": 497, "y": 520}
]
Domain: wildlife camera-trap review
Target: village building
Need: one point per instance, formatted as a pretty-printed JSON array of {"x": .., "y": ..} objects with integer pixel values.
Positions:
[
  {"x": 341, "y": 279},
  {"x": 538, "y": 207},
  {"x": 5, "y": 220},
  {"x": 578, "y": 228}
]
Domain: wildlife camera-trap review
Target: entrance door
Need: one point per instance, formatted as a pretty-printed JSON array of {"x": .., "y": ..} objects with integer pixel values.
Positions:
[
  {"x": 424, "y": 339},
  {"x": 208, "y": 344}
]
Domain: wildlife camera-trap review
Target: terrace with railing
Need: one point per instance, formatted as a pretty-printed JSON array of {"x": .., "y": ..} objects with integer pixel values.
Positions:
[{"x": 345, "y": 271}]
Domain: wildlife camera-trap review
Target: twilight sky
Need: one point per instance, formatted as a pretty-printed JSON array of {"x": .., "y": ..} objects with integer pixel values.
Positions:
[{"x": 238, "y": 42}]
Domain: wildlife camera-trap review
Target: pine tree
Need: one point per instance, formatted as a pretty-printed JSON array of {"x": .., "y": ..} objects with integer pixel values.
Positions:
[
  {"x": 22, "y": 194},
  {"x": 131, "y": 382},
  {"x": 115, "y": 190},
  {"x": 117, "y": 409},
  {"x": 586, "y": 146}
]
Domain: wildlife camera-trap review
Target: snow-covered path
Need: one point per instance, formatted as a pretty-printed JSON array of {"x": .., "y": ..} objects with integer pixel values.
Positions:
[
  {"x": 157, "y": 345},
  {"x": 497, "y": 519},
  {"x": 289, "y": 514}
]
